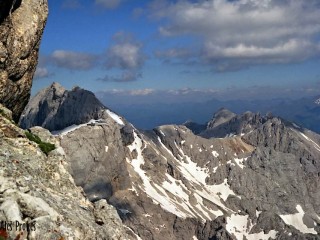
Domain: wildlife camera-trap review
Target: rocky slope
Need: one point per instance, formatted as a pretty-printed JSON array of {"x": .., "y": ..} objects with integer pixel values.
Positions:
[
  {"x": 261, "y": 182},
  {"x": 21, "y": 25},
  {"x": 37, "y": 190}
]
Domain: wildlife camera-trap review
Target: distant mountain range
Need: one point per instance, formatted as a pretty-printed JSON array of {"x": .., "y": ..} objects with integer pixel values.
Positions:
[
  {"x": 304, "y": 111},
  {"x": 240, "y": 176}
]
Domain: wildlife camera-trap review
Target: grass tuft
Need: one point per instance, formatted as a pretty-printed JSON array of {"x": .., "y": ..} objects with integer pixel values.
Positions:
[{"x": 44, "y": 146}]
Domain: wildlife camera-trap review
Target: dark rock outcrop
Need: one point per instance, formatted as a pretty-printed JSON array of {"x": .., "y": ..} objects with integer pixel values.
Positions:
[
  {"x": 21, "y": 26},
  {"x": 196, "y": 128}
]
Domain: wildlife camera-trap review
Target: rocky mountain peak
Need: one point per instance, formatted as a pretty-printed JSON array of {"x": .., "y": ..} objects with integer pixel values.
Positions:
[
  {"x": 56, "y": 86},
  {"x": 226, "y": 123},
  {"x": 56, "y": 108},
  {"x": 221, "y": 116}
]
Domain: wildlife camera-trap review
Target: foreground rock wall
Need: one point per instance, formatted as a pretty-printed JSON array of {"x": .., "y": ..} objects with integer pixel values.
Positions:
[
  {"x": 37, "y": 190},
  {"x": 21, "y": 26}
]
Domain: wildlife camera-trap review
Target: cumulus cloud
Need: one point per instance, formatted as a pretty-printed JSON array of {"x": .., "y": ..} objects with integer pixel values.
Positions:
[
  {"x": 125, "y": 76},
  {"x": 163, "y": 94},
  {"x": 173, "y": 53},
  {"x": 73, "y": 60},
  {"x": 108, "y": 4},
  {"x": 125, "y": 52},
  {"x": 134, "y": 92},
  {"x": 71, "y": 4},
  {"x": 41, "y": 72},
  {"x": 141, "y": 92},
  {"x": 241, "y": 33}
]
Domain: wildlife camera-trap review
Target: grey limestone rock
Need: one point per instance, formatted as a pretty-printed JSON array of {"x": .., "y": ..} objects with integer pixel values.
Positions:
[
  {"x": 21, "y": 25},
  {"x": 38, "y": 190}
]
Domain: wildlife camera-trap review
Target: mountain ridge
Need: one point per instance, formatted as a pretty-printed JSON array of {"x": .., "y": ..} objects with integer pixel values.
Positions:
[{"x": 169, "y": 183}]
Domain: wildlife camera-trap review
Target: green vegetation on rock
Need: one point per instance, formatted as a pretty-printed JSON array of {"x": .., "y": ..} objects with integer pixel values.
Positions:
[{"x": 44, "y": 146}]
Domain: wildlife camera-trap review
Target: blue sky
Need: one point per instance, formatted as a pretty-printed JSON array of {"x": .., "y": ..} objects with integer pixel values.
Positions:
[{"x": 161, "y": 48}]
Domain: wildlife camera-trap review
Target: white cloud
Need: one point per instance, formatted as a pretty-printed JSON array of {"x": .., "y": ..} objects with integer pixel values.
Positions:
[
  {"x": 41, "y": 72},
  {"x": 71, "y": 4},
  {"x": 108, "y": 4},
  {"x": 125, "y": 53},
  {"x": 141, "y": 92},
  {"x": 173, "y": 53},
  {"x": 73, "y": 60},
  {"x": 125, "y": 76},
  {"x": 245, "y": 32}
]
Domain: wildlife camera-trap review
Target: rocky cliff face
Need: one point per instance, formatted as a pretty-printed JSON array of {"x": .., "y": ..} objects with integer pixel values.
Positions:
[
  {"x": 21, "y": 25},
  {"x": 261, "y": 182},
  {"x": 37, "y": 190},
  {"x": 55, "y": 108}
]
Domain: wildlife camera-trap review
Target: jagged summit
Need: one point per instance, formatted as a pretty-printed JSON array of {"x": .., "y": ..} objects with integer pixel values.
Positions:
[
  {"x": 56, "y": 108},
  {"x": 226, "y": 123},
  {"x": 221, "y": 116}
]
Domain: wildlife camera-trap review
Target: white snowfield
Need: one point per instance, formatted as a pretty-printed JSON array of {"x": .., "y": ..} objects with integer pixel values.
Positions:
[
  {"x": 115, "y": 117},
  {"x": 73, "y": 127},
  {"x": 296, "y": 220},
  {"x": 190, "y": 196},
  {"x": 240, "y": 226}
]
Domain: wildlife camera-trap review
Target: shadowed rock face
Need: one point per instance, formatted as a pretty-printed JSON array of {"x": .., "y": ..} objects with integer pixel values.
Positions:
[
  {"x": 21, "y": 26},
  {"x": 55, "y": 108}
]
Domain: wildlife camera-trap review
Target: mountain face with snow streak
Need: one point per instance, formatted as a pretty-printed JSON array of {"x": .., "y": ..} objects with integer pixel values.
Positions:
[
  {"x": 243, "y": 177},
  {"x": 56, "y": 108}
]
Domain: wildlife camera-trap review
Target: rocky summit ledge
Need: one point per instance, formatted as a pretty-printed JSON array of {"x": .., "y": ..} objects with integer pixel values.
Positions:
[{"x": 38, "y": 197}]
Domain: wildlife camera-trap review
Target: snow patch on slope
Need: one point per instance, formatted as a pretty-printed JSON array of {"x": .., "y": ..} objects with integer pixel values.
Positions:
[
  {"x": 73, "y": 127},
  {"x": 215, "y": 153},
  {"x": 296, "y": 220},
  {"x": 240, "y": 226},
  {"x": 115, "y": 117},
  {"x": 156, "y": 192},
  {"x": 310, "y": 140},
  {"x": 196, "y": 176},
  {"x": 223, "y": 190},
  {"x": 239, "y": 161}
]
